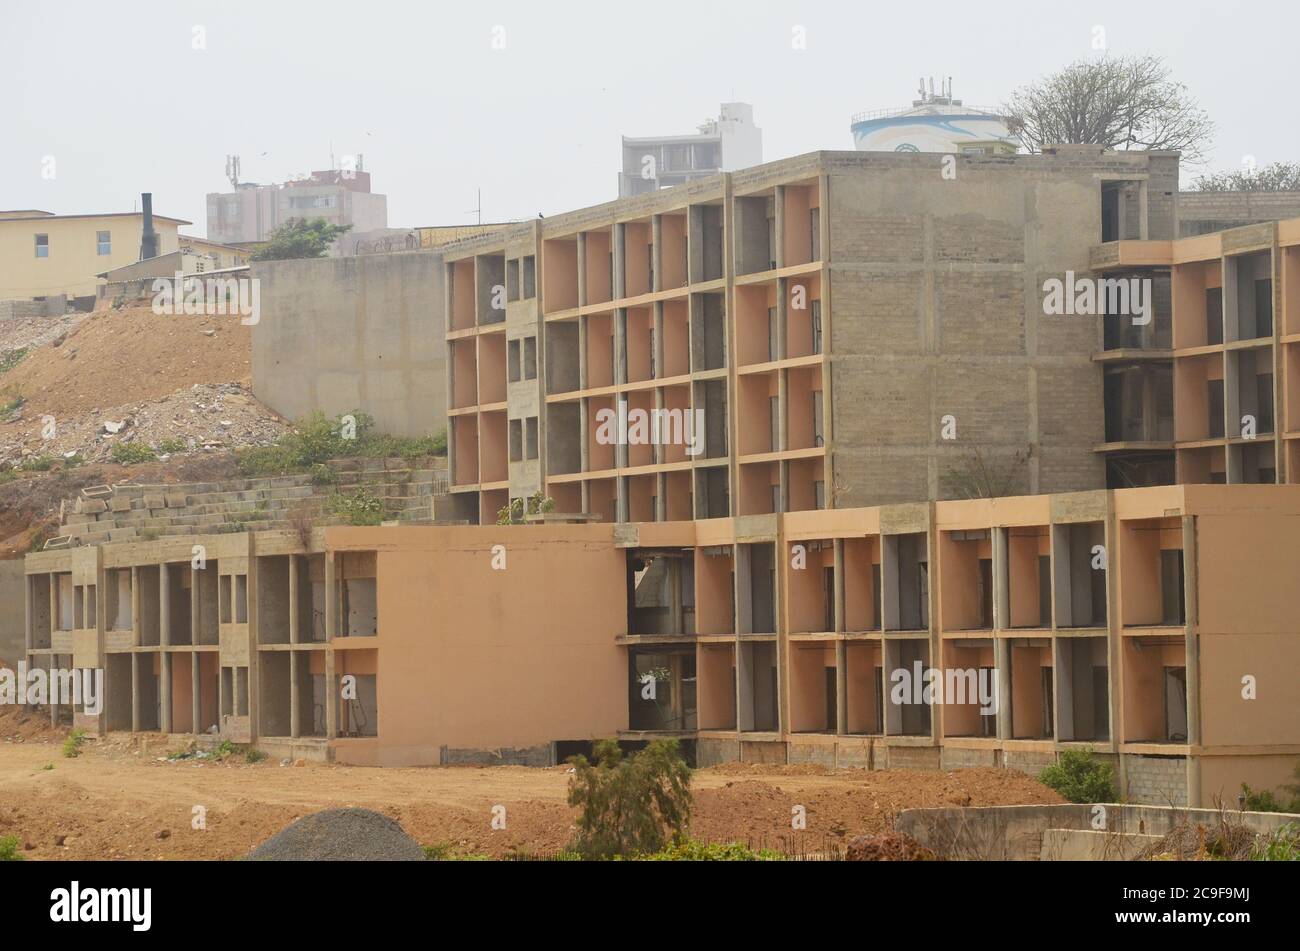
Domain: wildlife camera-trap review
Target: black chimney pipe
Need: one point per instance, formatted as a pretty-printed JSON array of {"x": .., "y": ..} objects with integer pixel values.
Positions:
[{"x": 149, "y": 239}]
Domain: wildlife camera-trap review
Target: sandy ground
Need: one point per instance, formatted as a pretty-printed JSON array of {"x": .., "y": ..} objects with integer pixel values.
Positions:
[{"x": 116, "y": 801}]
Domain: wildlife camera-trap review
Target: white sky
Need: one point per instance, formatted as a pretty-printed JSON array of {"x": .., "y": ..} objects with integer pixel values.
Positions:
[{"x": 117, "y": 94}]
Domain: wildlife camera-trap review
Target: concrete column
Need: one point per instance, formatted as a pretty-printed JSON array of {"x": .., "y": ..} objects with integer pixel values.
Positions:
[
  {"x": 165, "y": 692},
  {"x": 294, "y": 633},
  {"x": 136, "y": 660},
  {"x": 661, "y": 497},
  {"x": 657, "y": 340},
  {"x": 1001, "y": 578},
  {"x": 164, "y": 605},
  {"x": 331, "y": 620},
  {"x": 778, "y": 252},
  {"x": 295, "y": 725},
  {"x": 618, "y": 244},
  {"x": 657, "y": 252},
  {"x": 135, "y": 606},
  {"x": 1002, "y": 661},
  {"x": 582, "y": 269},
  {"x": 196, "y": 707}
]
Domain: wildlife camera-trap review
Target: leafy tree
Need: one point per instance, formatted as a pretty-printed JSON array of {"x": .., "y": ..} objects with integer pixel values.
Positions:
[
  {"x": 1080, "y": 777},
  {"x": 1278, "y": 177},
  {"x": 300, "y": 238},
  {"x": 513, "y": 512},
  {"x": 630, "y": 805},
  {"x": 1126, "y": 102}
]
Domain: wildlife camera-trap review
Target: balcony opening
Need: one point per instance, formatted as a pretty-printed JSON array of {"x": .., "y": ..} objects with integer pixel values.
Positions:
[
  {"x": 490, "y": 277},
  {"x": 755, "y": 221},
  {"x": 273, "y": 601},
  {"x": 712, "y": 492},
  {"x": 906, "y": 576},
  {"x": 708, "y": 332},
  {"x": 758, "y": 689},
  {"x": 706, "y": 257},
  {"x": 907, "y": 711},
  {"x": 970, "y": 688},
  {"x": 861, "y": 584},
  {"x": 1248, "y": 314},
  {"x": 563, "y": 365},
  {"x": 1084, "y": 683},
  {"x": 1155, "y": 690},
  {"x": 672, "y": 251},
  {"x": 756, "y": 588},
  {"x": 1029, "y": 577},
  {"x": 662, "y": 693},
  {"x": 560, "y": 272},
  {"x": 1080, "y": 565},
  {"x": 1032, "y": 695},
  {"x": 599, "y": 266},
  {"x": 864, "y": 688},
  {"x": 966, "y": 557},
  {"x": 716, "y": 687},
  {"x": 814, "y": 688},
  {"x": 1152, "y": 586},
  {"x": 811, "y": 586}
]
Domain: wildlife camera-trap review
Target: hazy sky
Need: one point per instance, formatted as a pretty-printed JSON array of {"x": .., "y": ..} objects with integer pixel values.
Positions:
[{"x": 117, "y": 94}]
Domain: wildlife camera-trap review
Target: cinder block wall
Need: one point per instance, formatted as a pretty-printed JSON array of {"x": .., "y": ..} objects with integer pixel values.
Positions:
[
  {"x": 340, "y": 334},
  {"x": 936, "y": 310}
]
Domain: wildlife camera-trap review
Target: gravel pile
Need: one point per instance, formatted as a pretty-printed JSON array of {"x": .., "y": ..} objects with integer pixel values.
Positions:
[{"x": 338, "y": 835}]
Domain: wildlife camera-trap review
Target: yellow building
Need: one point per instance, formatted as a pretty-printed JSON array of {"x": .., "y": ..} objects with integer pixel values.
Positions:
[{"x": 44, "y": 255}]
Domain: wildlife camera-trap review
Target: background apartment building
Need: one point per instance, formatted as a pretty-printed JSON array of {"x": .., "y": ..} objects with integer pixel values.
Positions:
[
  {"x": 251, "y": 212},
  {"x": 857, "y": 328},
  {"x": 729, "y": 142},
  {"x": 1210, "y": 391},
  {"x": 43, "y": 255}
]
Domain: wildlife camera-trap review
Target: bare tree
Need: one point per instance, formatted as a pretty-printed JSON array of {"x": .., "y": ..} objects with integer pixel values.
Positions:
[
  {"x": 1278, "y": 177},
  {"x": 1126, "y": 102},
  {"x": 979, "y": 477}
]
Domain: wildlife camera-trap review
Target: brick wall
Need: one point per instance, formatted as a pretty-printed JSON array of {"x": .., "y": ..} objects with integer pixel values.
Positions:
[{"x": 1157, "y": 780}]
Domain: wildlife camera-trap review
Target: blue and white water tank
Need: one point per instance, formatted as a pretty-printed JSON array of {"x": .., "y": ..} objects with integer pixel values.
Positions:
[{"x": 933, "y": 123}]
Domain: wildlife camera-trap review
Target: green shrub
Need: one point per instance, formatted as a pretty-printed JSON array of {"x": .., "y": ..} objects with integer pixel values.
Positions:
[
  {"x": 11, "y": 358},
  {"x": 513, "y": 513},
  {"x": 692, "y": 850},
  {"x": 362, "y": 507},
  {"x": 321, "y": 474},
  {"x": 9, "y": 849},
  {"x": 446, "y": 852},
  {"x": 132, "y": 453},
  {"x": 254, "y": 756},
  {"x": 630, "y": 805},
  {"x": 1267, "y": 801},
  {"x": 1080, "y": 777},
  {"x": 72, "y": 745},
  {"x": 39, "y": 464},
  {"x": 315, "y": 439},
  {"x": 172, "y": 445},
  {"x": 1282, "y": 846}
]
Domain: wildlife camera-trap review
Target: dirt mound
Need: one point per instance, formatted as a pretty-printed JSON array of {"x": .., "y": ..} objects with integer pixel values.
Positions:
[
  {"x": 337, "y": 835},
  {"x": 890, "y": 847},
  {"x": 120, "y": 357}
]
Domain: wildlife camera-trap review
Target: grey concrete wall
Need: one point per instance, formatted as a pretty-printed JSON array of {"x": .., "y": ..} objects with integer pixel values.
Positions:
[
  {"x": 1203, "y": 212},
  {"x": 936, "y": 309},
  {"x": 338, "y": 334},
  {"x": 13, "y": 615}
]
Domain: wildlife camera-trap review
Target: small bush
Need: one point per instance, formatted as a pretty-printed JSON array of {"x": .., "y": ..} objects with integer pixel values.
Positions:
[
  {"x": 72, "y": 745},
  {"x": 1282, "y": 846},
  {"x": 362, "y": 507},
  {"x": 692, "y": 850},
  {"x": 132, "y": 453},
  {"x": 632, "y": 805},
  {"x": 39, "y": 464},
  {"x": 9, "y": 849},
  {"x": 172, "y": 445},
  {"x": 1080, "y": 777},
  {"x": 11, "y": 358},
  {"x": 446, "y": 852},
  {"x": 322, "y": 474},
  {"x": 513, "y": 513},
  {"x": 315, "y": 439},
  {"x": 254, "y": 756}
]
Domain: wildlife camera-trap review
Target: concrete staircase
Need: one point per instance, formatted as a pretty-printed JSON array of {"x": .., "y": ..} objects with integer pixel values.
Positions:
[{"x": 412, "y": 491}]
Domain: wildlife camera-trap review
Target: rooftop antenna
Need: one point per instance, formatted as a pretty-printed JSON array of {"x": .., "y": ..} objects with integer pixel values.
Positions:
[
  {"x": 232, "y": 170},
  {"x": 479, "y": 210}
]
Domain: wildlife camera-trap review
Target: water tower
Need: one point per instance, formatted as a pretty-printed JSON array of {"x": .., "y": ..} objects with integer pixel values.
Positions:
[{"x": 936, "y": 122}]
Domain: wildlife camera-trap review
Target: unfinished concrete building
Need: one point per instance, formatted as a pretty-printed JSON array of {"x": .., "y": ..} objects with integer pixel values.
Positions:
[
  {"x": 1116, "y": 621},
  {"x": 855, "y": 328},
  {"x": 1210, "y": 391}
]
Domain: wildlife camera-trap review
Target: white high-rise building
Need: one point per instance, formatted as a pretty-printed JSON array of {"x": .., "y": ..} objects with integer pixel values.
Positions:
[{"x": 729, "y": 142}]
